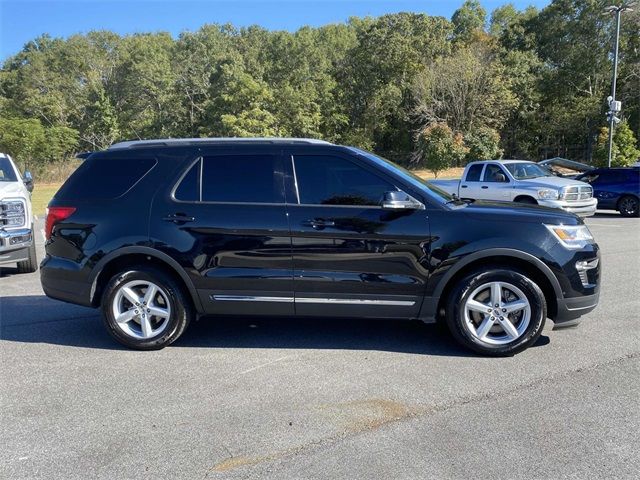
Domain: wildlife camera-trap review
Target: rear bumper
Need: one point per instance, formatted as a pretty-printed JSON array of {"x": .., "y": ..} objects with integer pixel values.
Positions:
[
  {"x": 14, "y": 245},
  {"x": 584, "y": 208},
  {"x": 58, "y": 284}
]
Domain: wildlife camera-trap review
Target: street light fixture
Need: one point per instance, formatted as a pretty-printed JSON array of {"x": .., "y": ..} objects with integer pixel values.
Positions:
[{"x": 614, "y": 105}]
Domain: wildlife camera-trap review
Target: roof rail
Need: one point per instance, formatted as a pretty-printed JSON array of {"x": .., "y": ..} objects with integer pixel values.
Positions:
[{"x": 195, "y": 141}]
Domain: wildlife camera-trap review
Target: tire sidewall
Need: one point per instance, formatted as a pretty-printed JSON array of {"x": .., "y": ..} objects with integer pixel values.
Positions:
[
  {"x": 177, "y": 321},
  {"x": 626, "y": 214},
  {"x": 455, "y": 313}
]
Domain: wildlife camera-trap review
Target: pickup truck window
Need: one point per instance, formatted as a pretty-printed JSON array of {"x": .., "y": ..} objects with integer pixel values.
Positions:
[
  {"x": 7, "y": 174},
  {"x": 494, "y": 173},
  {"x": 525, "y": 170},
  {"x": 473, "y": 175}
]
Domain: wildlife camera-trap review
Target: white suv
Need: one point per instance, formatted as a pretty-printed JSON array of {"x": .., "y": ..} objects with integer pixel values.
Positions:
[{"x": 17, "y": 242}]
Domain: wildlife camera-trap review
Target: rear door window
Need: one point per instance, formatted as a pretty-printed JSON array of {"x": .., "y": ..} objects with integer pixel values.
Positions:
[
  {"x": 473, "y": 175},
  {"x": 241, "y": 178}
]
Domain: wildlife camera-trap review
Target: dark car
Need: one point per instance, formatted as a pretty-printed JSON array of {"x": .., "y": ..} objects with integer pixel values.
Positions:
[
  {"x": 616, "y": 189},
  {"x": 157, "y": 233}
]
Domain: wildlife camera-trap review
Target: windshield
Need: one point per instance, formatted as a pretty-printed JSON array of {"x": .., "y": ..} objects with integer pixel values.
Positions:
[
  {"x": 434, "y": 192},
  {"x": 524, "y": 170},
  {"x": 7, "y": 173}
]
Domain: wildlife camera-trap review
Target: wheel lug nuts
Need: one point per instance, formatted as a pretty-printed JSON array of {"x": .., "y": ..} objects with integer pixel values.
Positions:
[
  {"x": 489, "y": 310},
  {"x": 136, "y": 312},
  {"x": 504, "y": 310},
  {"x": 497, "y": 305},
  {"x": 501, "y": 318},
  {"x": 493, "y": 318}
]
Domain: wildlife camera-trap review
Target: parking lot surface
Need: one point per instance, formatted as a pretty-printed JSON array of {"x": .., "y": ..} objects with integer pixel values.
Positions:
[{"x": 290, "y": 399}]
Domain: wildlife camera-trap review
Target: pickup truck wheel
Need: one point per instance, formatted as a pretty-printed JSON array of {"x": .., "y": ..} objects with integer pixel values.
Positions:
[
  {"x": 628, "y": 206},
  {"x": 29, "y": 265},
  {"x": 145, "y": 309},
  {"x": 496, "y": 312}
]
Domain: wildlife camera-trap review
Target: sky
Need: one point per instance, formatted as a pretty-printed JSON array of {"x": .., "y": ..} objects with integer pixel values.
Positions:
[{"x": 23, "y": 20}]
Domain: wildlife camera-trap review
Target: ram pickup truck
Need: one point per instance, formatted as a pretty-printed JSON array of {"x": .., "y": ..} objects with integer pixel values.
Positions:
[
  {"x": 523, "y": 182},
  {"x": 17, "y": 243}
]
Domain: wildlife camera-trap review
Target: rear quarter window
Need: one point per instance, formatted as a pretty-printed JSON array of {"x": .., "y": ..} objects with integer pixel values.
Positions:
[{"x": 105, "y": 178}]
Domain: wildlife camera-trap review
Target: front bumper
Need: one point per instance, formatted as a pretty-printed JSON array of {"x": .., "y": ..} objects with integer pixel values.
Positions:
[
  {"x": 582, "y": 208},
  {"x": 570, "y": 309},
  {"x": 14, "y": 245}
]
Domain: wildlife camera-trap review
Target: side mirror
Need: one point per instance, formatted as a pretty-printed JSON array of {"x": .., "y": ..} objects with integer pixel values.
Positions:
[
  {"x": 399, "y": 200},
  {"x": 501, "y": 178},
  {"x": 28, "y": 180}
]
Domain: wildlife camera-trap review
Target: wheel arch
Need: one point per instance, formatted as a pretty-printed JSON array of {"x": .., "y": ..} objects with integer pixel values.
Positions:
[
  {"x": 115, "y": 261},
  {"x": 527, "y": 198},
  {"x": 532, "y": 266}
]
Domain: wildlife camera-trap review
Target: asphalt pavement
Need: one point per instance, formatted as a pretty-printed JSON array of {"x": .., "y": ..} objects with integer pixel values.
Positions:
[{"x": 318, "y": 399}]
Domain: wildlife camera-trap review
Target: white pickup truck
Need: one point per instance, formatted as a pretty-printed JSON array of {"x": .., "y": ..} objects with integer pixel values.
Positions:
[
  {"x": 521, "y": 181},
  {"x": 17, "y": 242}
]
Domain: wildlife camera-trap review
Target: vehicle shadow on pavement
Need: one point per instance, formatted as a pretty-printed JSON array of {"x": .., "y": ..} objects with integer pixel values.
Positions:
[{"x": 38, "y": 319}]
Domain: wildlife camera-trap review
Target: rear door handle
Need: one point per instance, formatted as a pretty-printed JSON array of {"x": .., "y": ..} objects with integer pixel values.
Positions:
[
  {"x": 484, "y": 186},
  {"x": 319, "y": 223},
  {"x": 178, "y": 218},
  {"x": 463, "y": 186}
]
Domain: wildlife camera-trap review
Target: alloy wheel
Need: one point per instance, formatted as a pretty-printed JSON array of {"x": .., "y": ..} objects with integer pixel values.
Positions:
[
  {"x": 497, "y": 313},
  {"x": 141, "y": 309}
]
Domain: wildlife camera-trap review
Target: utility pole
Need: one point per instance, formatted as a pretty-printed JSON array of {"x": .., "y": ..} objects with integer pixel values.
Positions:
[{"x": 615, "y": 106}]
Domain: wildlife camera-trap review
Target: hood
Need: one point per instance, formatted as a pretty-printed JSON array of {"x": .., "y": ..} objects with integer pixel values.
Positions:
[
  {"x": 12, "y": 189},
  {"x": 517, "y": 212},
  {"x": 558, "y": 182},
  {"x": 566, "y": 163}
]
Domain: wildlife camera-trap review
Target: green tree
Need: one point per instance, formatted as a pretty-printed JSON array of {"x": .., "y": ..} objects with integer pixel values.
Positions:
[
  {"x": 23, "y": 139},
  {"x": 438, "y": 148},
  {"x": 625, "y": 147},
  {"x": 483, "y": 143},
  {"x": 468, "y": 21}
]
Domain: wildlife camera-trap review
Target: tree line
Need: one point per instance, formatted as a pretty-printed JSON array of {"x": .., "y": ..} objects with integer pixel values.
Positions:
[{"x": 419, "y": 89}]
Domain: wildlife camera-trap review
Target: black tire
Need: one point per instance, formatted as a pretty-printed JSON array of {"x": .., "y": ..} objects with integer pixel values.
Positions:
[
  {"x": 628, "y": 206},
  {"x": 182, "y": 311},
  {"x": 526, "y": 200},
  {"x": 29, "y": 265},
  {"x": 465, "y": 287}
]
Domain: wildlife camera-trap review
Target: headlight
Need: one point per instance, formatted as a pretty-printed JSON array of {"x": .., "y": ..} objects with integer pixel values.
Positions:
[
  {"x": 12, "y": 213},
  {"x": 573, "y": 237},
  {"x": 548, "y": 194}
]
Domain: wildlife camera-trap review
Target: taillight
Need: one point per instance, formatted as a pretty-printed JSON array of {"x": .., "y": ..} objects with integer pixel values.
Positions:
[{"x": 55, "y": 215}]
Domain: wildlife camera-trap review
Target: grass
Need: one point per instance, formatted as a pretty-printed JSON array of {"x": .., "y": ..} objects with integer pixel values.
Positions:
[{"x": 42, "y": 193}]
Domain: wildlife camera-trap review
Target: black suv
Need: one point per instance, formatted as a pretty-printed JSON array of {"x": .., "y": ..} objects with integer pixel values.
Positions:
[{"x": 159, "y": 232}]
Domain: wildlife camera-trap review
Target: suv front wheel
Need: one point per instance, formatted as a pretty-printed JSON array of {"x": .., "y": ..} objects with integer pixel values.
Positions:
[
  {"x": 146, "y": 309},
  {"x": 496, "y": 312}
]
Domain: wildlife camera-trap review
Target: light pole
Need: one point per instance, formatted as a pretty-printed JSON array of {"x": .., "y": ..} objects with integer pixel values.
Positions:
[{"x": 615, "y": 106}]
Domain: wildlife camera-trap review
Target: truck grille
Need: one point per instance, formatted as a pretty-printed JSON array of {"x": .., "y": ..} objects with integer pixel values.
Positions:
[
  {"x": 575, "y": 193},
  {"x": 12, "y": 213}
]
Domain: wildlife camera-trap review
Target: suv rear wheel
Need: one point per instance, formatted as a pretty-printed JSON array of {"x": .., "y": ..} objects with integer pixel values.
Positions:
[
  {"x": 146, "y": 309},
  {"x": 496, "y": 312}
]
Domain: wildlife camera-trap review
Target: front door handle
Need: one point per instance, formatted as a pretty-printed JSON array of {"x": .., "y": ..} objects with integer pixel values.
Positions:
[
  {"x": 319, "y": 223},
  {"x": 484, "y": 186},
  {"x": 178, "y": 218},
  {"x": 463, "y": 186}
]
